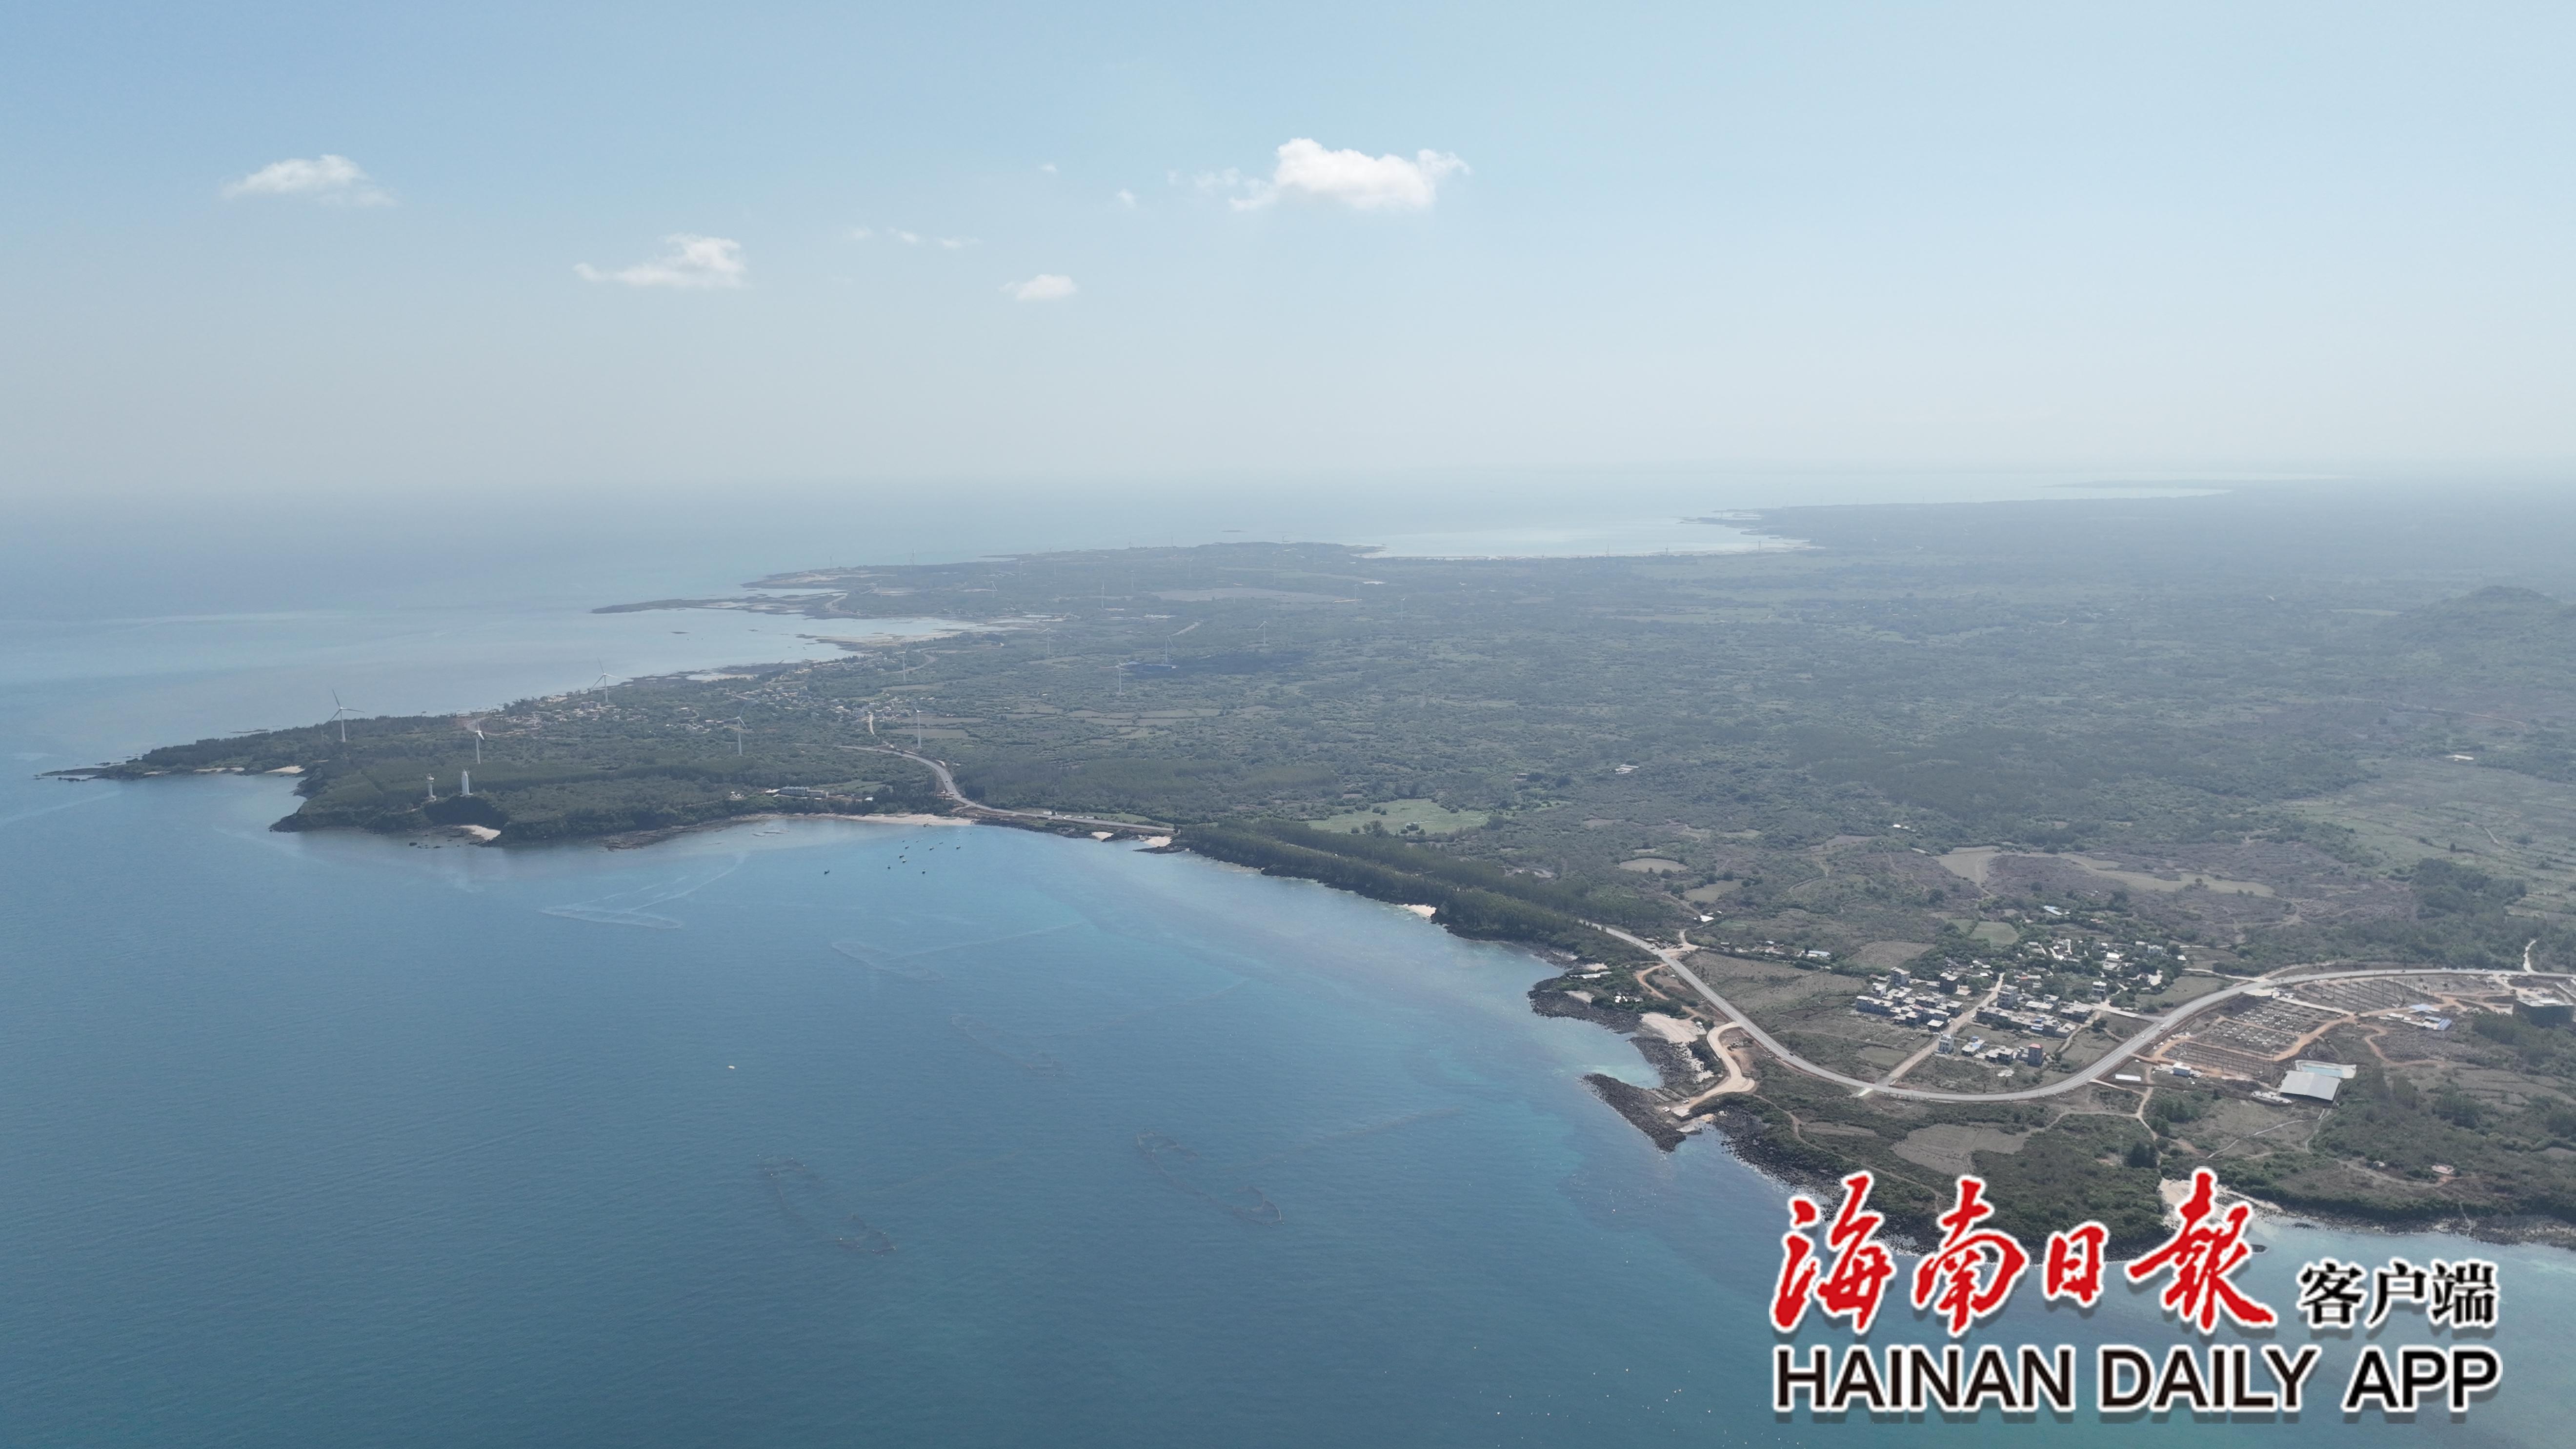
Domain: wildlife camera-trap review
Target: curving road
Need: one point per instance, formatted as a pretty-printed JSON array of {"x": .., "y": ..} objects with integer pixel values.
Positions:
[
  {"x": 948, "y": 789},
  {"x": 1671, "y": 956}
]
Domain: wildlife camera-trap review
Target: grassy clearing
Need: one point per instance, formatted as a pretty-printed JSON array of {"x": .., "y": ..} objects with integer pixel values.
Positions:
[
  {"x": 1405, "y": 817},
  {"x": 2509, "y": 822}
]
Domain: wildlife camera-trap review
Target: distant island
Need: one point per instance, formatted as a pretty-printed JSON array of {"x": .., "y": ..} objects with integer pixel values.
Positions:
[{"x": 2074, "y": 843}]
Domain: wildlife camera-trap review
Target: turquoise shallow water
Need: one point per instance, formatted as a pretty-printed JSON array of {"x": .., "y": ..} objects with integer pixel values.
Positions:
[{"x": 338, "y": 1141}]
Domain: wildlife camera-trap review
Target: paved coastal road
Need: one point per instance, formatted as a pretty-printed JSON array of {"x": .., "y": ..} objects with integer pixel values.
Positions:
[
  {"x": 948, "y": 788},
  {"x": 1671, "y": 956}
]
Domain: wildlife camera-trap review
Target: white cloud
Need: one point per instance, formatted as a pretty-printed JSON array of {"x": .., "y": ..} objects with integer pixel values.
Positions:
[
  {"x": 693, "y": 261},
  {"x": 913, "y": 238},
  {"x": 333, "y": 180},
  {"x": 1044, "y": 287},
  {"x": 1352, "y": 178},
  {"x": 1126, "y": 197},
  {"x": 1047, "y": 166}
]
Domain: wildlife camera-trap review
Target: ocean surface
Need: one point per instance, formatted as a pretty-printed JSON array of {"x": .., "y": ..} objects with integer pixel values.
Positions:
[{"x": 824, "y": 1133}]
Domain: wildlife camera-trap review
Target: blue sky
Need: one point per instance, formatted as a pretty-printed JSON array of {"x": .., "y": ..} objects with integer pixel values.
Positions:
[{"x": 2174, "y": 237}]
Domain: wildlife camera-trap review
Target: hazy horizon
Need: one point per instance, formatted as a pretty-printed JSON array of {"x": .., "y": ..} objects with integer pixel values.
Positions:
[{"x": 300, "y": 250}]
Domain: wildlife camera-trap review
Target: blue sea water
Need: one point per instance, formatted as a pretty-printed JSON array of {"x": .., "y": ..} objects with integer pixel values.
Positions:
[{"x": 830, "y": 1133}]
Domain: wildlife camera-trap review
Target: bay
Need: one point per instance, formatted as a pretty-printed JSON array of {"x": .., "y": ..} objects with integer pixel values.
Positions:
[{"x": 833, "y": 1133}]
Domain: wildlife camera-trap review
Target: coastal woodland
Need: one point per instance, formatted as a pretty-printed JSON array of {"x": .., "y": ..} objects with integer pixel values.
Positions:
[{"x": 1964, "y": 793}]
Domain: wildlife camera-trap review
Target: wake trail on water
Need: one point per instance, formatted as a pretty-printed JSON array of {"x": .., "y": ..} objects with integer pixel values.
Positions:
[
  {"x": 8, "y": 820},
  {"x": 628, "y": 908},
  {"x": 893, "y": 966},
  {"x": 895, "y": 963}
]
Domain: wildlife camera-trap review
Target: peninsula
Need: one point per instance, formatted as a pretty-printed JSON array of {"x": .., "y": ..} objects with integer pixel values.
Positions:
[{"x": 2074, "y": 843}]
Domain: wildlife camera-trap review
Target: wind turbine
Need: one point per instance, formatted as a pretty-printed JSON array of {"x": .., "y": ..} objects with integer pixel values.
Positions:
[
  {"x": 478, "y": 742},
  {"x": 340, "y": 713},
  {"x": 604, "y": 676},
  {"x": 736, "y": 722}
]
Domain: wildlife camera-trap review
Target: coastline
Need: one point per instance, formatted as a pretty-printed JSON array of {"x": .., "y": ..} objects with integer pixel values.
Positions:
[
  {"x": 638, "y": 839},
  {"x": 1682, "y": 1070}
]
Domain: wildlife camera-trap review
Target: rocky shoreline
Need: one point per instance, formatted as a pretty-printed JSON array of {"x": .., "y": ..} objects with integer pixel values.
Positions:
[
  {"x": 1647, "y": 1109},
  {"x": 1678, "y": 1069}
]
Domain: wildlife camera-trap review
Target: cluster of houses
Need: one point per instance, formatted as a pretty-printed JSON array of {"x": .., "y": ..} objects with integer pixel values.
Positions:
[
  {"x": 2028, "y": 1054},
  {"x": 1901, "y": 1000},
  {"x": 1936, "y": 1005},
  {"x": 2139, "y": 965},
  {"x": 2039, "y": 1015},
  {"x": 1776, "y": 951}
]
